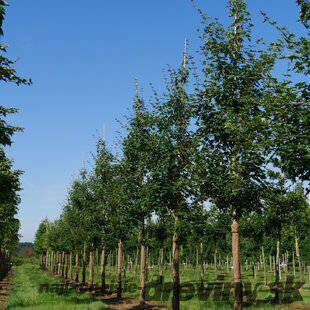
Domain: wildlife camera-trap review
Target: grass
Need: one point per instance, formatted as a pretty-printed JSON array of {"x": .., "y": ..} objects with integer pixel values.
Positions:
[
  {"x": 36, "y": 289},
  {"x": 216, "y": 294}
]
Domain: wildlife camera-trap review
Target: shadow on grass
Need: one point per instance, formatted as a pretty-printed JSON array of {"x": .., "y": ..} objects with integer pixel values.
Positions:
[{"x": 216, "y": 293}]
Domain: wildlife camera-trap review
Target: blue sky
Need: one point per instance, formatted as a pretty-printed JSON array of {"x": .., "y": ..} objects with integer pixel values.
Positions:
[{"x": 83, "y": 57}]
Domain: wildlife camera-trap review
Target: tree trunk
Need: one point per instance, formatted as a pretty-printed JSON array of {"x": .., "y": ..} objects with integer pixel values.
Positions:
[
  {"x": 71, "y": 276},
  {"x": 91, "y": 268},
  {"x": 294, "y": 270},
  {"x": 142, "y": 268},
  {"x": 215, "y": 262},
  {"x": 196, "y": 267},
  {"x": 77, "y": 266},
  {"x": 103, "y": 269},
  {"x": 298, "y": 258},
  {"x": 119, "y": 270},
  {"x": 236, "y": 265},
  {"x": 51, "y": 262},
  {"x": 54, "y": 263},
  {"x": 161, "y": 274},
  {"x": 63, "y": 264},
  {"x": 66, "y": 266},
  {"x": 176, "y": 278},
  {"x": 59, "y": 264},
  {"x": 276, "y": 297},
  {"x": 97, "y": 260},
  {"x": 84, "y": 265},
  {"x": 264, "y": 266},
  {"x": 201, "y": 266}
]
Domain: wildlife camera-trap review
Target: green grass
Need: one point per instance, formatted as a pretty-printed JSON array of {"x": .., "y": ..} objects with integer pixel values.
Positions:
[
  {"x": 216, "y": 295},
  {"x": 36, "y": 289}
]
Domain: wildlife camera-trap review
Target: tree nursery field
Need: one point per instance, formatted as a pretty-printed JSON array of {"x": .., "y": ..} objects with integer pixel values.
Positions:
[{"x": 204, "y": 204}]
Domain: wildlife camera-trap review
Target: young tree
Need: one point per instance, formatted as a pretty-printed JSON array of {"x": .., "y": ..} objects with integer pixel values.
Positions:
[
  {"x": 170, "y": 175},
  {"x": 231, "y": 121},
  {"x": 117, "y": 212},
  {"x": 280, "y": 210},
  {"x": 98, "y": 185},
  {"x": 137, "y": 151}
]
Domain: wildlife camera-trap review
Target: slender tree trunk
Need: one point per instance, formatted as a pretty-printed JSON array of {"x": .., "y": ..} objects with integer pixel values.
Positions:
[
  {"x": 58, "y": 264},
  {"x": 270, "y": 263},
  {"x": 97, "y": 260},
  {"x": 161, "y": 274},
  {"x": 54, "y": 263},
  {"x": 276, "y": 298},
  {"x": 142, "y": 268},
  {"x": 201, "y": 266},
  {"x": 176, "y": 278},
  {"x": 77, "y": 266},
  {"x": 298, "y": 258},
  {"x": 294, "y": 270},
  {"x": 264, "y": 266},
  {"x": 119, "y": 270},
  {"x": 285, "y": 267},
  {"x": 71, "y": 276},
  {"x": 215, "y": 261},
  {"x": 103, "y": 269},
  {"x": 51, "y": 262},
  {"x": 63, "y": 264},
  {"x": 66, "y": 266},
  {"x": 196, "y": 267},
  {"x": 236, "y": 265},
  {"x": 84, "y": 265},
  {"x": 219, "y": 261},
  {"x": 91, "y": 267}
]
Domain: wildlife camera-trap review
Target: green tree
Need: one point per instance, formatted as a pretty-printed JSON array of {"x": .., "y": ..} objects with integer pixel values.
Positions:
[
  {"x": 9, "y": 178},
  {"x": 137, "y": 152},
  {"x": 289, "y": 111},
  {"x": 170, "y": 175},
  {"x": 41, "y": 238},
  {"x": 231, "y": 117},
  {"x": 98, "y": 185}
]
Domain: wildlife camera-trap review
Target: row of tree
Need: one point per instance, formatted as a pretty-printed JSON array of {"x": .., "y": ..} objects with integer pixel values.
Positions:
[
  {"x": 227, "y": 139},
  {"x": 9, "y": 177}
]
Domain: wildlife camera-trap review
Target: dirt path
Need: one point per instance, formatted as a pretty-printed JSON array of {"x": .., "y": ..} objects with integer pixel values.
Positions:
[
  {"x": 130, "y": 304},
  {"x": 6, "y": 286}
]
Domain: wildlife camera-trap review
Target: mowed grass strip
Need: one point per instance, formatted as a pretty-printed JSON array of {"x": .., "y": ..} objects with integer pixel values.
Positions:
[{"x": 35, "y": 289}]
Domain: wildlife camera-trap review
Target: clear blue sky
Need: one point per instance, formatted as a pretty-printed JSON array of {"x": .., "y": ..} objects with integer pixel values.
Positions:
[{"x": 83, "y": 57}]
